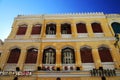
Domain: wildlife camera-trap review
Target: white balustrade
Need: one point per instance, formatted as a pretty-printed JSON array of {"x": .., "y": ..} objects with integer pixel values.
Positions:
[
  {"x": 10, "y": 67},
  {"x": 29, "y": 67},
  {"x": 88, "y": 66}
]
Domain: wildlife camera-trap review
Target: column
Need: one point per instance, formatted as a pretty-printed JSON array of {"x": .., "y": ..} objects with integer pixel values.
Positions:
[
  {"x": 58, "y": 31},
  {"x": 4, "y": 58},
  {"x": 105, "y": 29},
  {"x": 96, "y": 58},
  {"x": 22, "y": 58},
  {"x": 74, "y": 30},
  {"x": 38, "y": 58},
  {"x": 89, "y": 30},
  {"x": 43, "y": 32},
  {"x": 78, "y": 58},
  {"x": 58, "y": 58},
  {"x": 28, "y": 32},
  {"x": 115, "y": 56}
]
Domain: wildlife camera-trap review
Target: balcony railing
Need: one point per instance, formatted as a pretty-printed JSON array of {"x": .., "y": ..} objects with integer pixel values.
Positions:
[
  {"x": 108, "y": 65},
  {"x": 29, "y": 67},
  {"x": 10, "y": 67},
  {"x": 88, "y": 66},
  {"x": 50, "y": 36},
  {"x": 99, "y": 34},
  {"x": 82, "y": 35},
  {"x": 35, "y": 36},
  {"x": 19, "y": 36},
  {"x": 66, "y": 36}
]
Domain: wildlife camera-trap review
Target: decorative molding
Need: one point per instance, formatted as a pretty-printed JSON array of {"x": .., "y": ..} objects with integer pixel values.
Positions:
[
  {"x": 63, "y": 39},
  {"x": 108, "y": 65},
  {"x": 62, "y": 16},
  {"x": 80, "y": 35},
  {"x": 112, "y": 15}
]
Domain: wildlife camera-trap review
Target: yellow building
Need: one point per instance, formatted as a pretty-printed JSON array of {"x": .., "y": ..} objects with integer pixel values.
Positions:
[{"x": 82, "y": 46}]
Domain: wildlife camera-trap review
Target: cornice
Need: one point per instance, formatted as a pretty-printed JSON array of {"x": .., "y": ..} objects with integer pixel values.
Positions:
[
  {"x": 112, "y": 15},
  {"x": 62, "y": 16}
]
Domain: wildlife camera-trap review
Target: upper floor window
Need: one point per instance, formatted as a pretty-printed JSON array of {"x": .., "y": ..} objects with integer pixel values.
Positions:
[
  {"x": 105, "y": 54},
  {"x": 65, "y": 28},
  {"x": 68, "y": 56},
  {"x": 96, "y": 28},
  {"x": 86, "y": 55},
  {"x": 49, "y": 56},
  {"x": 14, "y": 55},
  {"x": 116, "y": 27},
  {"x": 51, "y": 29},
  {"x": 36, "y": 29},
  {"x": 22, "y": 29},
  {"x": 81, "y": 28}
]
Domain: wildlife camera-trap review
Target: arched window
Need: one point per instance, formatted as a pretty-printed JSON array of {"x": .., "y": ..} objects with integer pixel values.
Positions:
[
  {"x": 51, "y": 29},
  {"x": 49, "y": 56},
  {"x": 81, "y": 28},
  {"x": 36, "y": 29},
  {"x": 86, "y": 55},
  {"x": 68, "y": 56},
  {"x": 116, "y": 27},
  {"x": 14, "y": 55},
  {"x": 65, "y": 28},
  {"x": 96, "y": 28},
  {"x": 31, "y": 55},
  {"x": 22, "y": 29},
  {"x": 105, "y": 54}
]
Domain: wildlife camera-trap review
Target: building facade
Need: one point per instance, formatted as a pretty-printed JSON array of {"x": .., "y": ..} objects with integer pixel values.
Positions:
[{"x": 83, "y": 46}]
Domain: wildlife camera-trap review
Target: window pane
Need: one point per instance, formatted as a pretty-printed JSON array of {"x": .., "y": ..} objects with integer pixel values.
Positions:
[
  {"x": 65, "y": 28},
  {"x": 116, "y": 27},
  {"x": 86, "y": 55},
  {"x": 31, "y": 56},
  {"x": 96, "y": 28},
  {"x": 22, "y": 30},
  {"x": 36, "y": 29},
  {"x": 105, "y": 55},
  {"x": 14, "y": 56},
  {"x": 81, "y": 28}
]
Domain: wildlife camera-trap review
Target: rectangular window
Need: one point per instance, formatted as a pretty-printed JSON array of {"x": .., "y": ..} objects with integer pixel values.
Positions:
[
  {"x": 81, "y": 28},
  {"x": 36, "y": 30},
  {"x": 21, "y": 30}
]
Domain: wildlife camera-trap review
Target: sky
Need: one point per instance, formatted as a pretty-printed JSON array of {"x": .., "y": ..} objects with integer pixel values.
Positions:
[{"x": 9, "y": 9}]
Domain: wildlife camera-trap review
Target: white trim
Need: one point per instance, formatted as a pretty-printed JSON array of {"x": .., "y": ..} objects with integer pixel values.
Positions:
[
  {"x": 88, "y": 66},
  {"x": 82, "y": 35},
  {"x": 63, "y": 39},
  {"x": 10, "y": 67},
  {"x": 29, "y": 67},
  {"x": 35, "y": 36},
  {"x": 66, "y": 35},
  {"x": 108, "y": 65},
  {"x": 62, "y": 16},
  {"x": 19, "y": 36},
  {"x": 50, "y": 36},
  {"x": 99, "y": 34}
]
